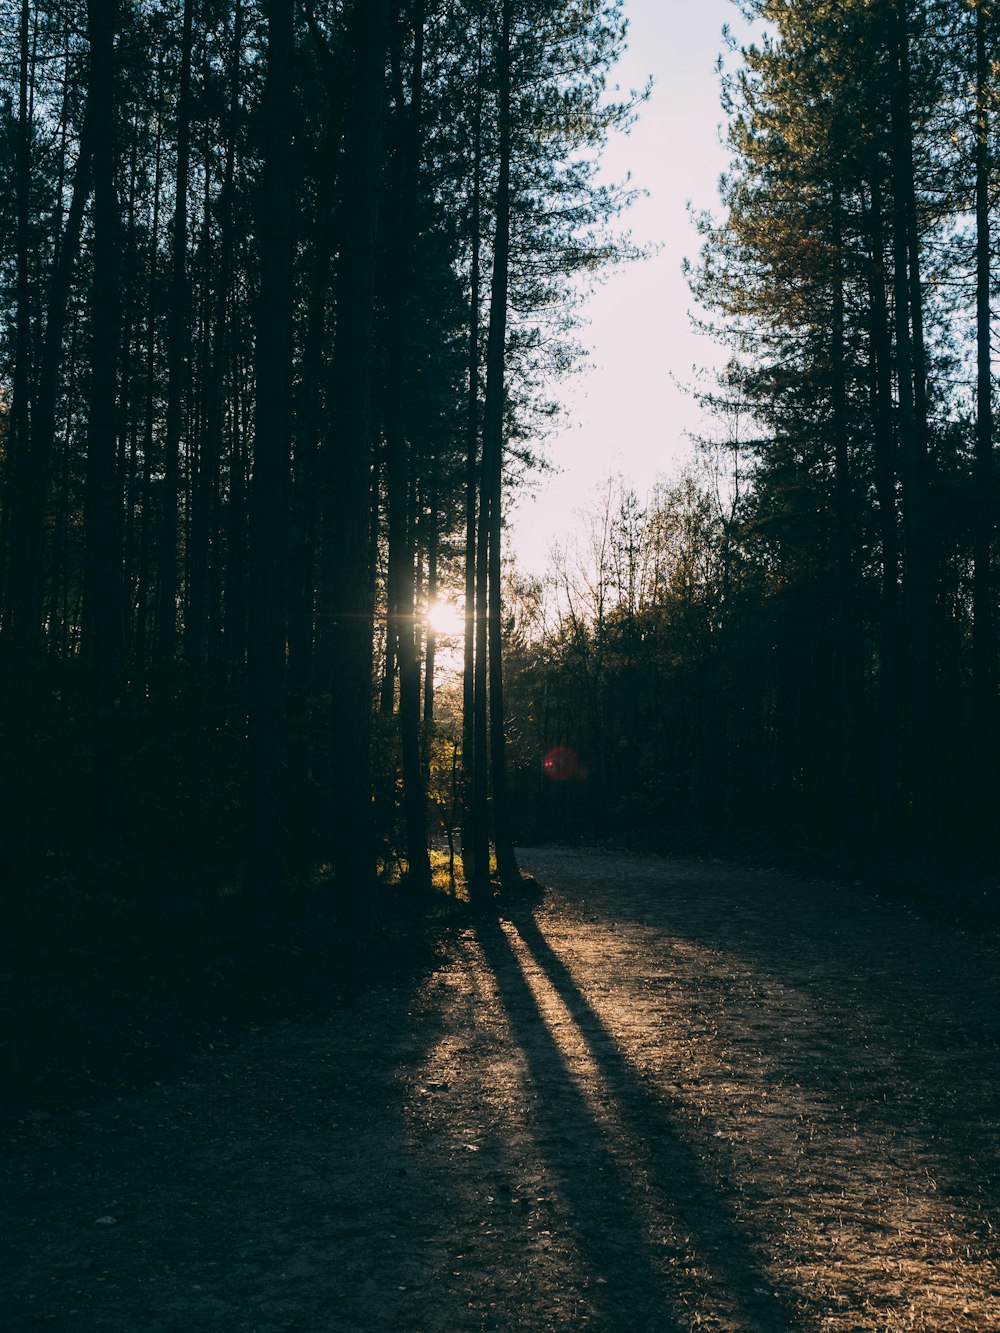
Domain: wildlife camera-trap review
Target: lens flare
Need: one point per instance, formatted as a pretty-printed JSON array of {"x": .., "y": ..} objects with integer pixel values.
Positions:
[{"x": 561, "y": 764}]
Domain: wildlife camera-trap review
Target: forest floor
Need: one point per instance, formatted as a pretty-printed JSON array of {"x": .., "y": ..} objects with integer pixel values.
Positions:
[{"x": 670, "y": 1095}]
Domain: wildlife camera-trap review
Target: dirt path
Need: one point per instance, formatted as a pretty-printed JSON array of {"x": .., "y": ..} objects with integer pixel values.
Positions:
[{"x": 673, "y": 1096}]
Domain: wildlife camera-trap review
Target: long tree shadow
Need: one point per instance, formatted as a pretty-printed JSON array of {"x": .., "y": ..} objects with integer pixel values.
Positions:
[
  {"x": 892, "y": 1005},
  {"x": 651, "y": 1223}
]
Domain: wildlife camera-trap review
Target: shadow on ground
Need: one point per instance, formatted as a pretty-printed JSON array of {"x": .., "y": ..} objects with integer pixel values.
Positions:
[{"x": 650, "y": 1223}]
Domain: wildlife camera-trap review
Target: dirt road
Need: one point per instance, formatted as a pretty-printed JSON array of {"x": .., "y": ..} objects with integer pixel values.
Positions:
[{"x": 674, "y": 1095}]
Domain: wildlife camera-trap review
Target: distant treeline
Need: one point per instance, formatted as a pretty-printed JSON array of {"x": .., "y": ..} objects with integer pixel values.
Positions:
[
  {"x": 802, "y": 635},
  {"x": 281, "y": 286}
]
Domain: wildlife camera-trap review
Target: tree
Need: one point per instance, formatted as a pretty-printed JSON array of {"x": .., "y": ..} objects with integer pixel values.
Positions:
[
  {"x": 349, "y": 461},
  {"x": 102, "y": 514},
  {"x": 268, "y": 517},
  {"x": 983, "y": 614},
  {"x": 266, "y": 439}
]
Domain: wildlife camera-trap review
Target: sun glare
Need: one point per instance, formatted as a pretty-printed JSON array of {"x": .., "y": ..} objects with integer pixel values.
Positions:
[{"x": 446, "y": 619}]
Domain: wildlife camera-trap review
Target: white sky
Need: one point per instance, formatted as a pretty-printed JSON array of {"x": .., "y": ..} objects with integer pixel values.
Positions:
[{"x": 624, "y": 413}]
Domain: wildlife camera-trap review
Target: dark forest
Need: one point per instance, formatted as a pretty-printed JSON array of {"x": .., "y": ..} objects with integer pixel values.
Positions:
[
  {"x": 285, "y": 296},
  {"x": 287, "y": 290},
  {"x": 263, "y": 400}
]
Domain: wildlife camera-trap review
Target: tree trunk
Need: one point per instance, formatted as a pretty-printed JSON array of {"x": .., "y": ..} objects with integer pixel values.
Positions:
[
  {"x": 34, "y": 458},
  {"x": 921, "y": 732},
  {"x": 304, "y": 633},
  {"x": 102, "y": 513},
  {"x": 475, "y": 839},
  {"x": 430, "y": 650},
  {"x": 19, "y": 442},
  {"x": 305, "y": 492},
  {"x": 983, "y": 610},
  {"x": 850, "y": 665},
  {"x": 479, "y": 881},
  {"x": 401, "y": 486},
  {"x": 131, "y": 419},
  {"x": 143, "y": 573},
  {"x": 890, "y": 652},
  {"x": 349, "y": 469},
  {"x": 269, "y": 496},
  {"x": 178, "y": 345},
  {"x": 493, "y": 426},
  {"x": 204, "y": 434}
]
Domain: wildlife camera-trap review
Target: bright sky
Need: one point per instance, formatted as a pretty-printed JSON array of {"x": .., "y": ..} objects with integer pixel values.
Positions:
[{"x": 624, "y": 413}]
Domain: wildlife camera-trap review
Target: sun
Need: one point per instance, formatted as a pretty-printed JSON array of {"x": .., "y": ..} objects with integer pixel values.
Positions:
[{"x": 446, "y": 618}]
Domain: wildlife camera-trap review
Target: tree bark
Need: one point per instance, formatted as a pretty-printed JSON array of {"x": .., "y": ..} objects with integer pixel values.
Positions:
[
  {"x": 983, "y": 609},
  {"x": 102, "y": 506},
  {"x": 178, "y": 348},
  {"x": 401, "y": 486},
  {"x": 33, "y": 458},
  {"x": 921, "y": 732},
  {"x": 19, "y": 442},
  {"x": 305, "y": 664},
  {"x": 205, "y": 487},
  {"x": 269, "y": 495},
  {"x": 493, "y": 443},
  {"x": 430, "y": 649},
  {"x": 349, "y": 470},
  {"x": 475, "y": 836},
  {"x": 143, "y": 574},
  {"x": 851, "y": 677},
  {"x": 479, "y": 881},
  {"x": 890, "y": 650}
]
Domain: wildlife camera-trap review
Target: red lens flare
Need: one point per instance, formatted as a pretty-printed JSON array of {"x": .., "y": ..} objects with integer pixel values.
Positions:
[{"x": 561, "y": 764}]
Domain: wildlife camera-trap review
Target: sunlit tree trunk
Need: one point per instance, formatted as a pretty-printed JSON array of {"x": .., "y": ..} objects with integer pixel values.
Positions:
[{"x": 430, "y": 649}]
